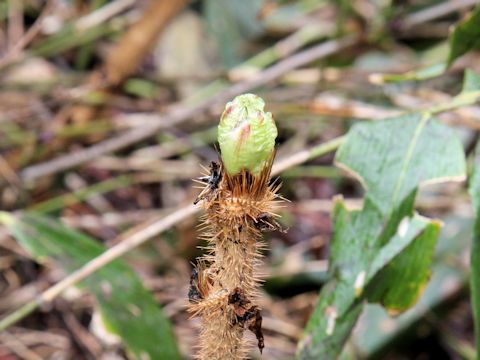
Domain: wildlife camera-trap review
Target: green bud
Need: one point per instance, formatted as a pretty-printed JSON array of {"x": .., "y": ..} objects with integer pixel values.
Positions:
[{"x": 246, "y": 135}]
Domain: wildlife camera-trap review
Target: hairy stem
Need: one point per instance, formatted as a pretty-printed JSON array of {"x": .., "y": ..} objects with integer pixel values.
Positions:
[
  {"x": 221, "y": 336},
  {"x": 224, "y": 288}
]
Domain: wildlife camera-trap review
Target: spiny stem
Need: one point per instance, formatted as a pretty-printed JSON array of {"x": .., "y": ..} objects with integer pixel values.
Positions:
[
  {"x": 239, "y": 203},
  {"x": 225, "y": 292}
]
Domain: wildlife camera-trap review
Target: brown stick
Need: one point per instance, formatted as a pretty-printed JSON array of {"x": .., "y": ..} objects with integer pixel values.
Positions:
[
  {"x": 129, "y": 52},
  {"x": 125, "y": 58}
]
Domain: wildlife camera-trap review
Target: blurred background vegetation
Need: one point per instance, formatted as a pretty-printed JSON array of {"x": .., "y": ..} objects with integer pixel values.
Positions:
[{"x": 107, "y": 111}]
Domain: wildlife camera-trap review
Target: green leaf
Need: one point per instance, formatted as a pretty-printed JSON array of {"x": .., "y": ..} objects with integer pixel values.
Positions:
[
  {"x": 376, "y": 331},
  {"x": 474, "y": 190},
  {"x": 392, "y": 157},
  {"x": 471, "y": 82},
  {"x": 68, "y": 37},
  {"x": 398, "y": 286},
  {"x": 319, "y": 345},
  {"x": 141, "y": 88},
  {"x": 371, "y": 246},
  {"x": 353, "y": 267},
  {"x": 465, "y": 36},
  {"x": 127, "y": 308},
  {"x": 232, "y": 23}
]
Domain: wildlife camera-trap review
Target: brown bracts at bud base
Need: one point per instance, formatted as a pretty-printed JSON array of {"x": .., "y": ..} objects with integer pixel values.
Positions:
[{"x": 239, "y": 205}]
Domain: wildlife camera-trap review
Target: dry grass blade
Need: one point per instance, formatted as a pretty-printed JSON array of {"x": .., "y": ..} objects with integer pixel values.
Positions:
[{"x": 16, "y": 50}]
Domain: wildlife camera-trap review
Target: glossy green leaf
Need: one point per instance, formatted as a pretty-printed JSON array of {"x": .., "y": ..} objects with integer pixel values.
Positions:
[
  {"x": 127, "y": 308},
  {"x": 465, "y": 36}
]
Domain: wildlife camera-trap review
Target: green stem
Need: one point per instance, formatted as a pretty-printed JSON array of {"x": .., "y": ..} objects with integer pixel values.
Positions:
[
  {"x": 312, "y": 171},
  {"x": 95, "y": 128},
  {"x": 462, "y": 99},
  {"x": 75, "y": 197},
  {"x": 69, "y": 38},
  {"x": 461, "y": 347},
  {"x": 19, "y": 314},
  {"x": 327, "y": 147}
]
